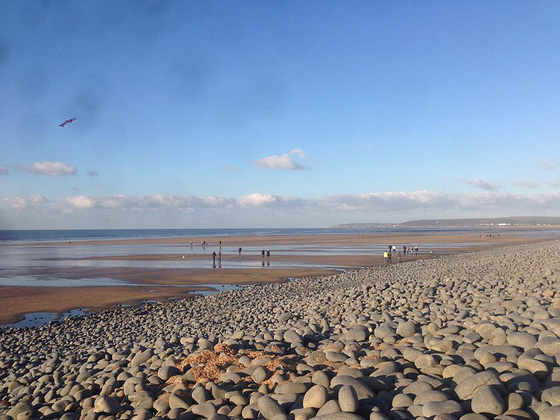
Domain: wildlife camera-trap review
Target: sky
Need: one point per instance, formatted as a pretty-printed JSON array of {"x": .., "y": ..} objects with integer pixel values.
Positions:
[{"x": 204, "y": 114}]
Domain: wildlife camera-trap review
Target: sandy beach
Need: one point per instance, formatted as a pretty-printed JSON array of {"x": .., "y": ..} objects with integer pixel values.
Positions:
[
  {"x": 163, "y": 283},
  {"x": 470, "y": 336}
]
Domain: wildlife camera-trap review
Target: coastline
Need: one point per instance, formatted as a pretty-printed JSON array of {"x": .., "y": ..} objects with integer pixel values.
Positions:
[
  {"x": 171, "y": 283},
  {"x": 466, "y": 320}
]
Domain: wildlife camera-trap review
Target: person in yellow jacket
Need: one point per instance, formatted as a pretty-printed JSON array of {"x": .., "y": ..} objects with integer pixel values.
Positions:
[{"x": 385, "y": 257}]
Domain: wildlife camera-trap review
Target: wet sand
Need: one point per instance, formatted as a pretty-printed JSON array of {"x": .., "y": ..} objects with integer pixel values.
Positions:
[{"x": 17, "y": 301}]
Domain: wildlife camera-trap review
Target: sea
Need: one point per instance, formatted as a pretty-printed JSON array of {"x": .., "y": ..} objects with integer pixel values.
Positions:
[{"x": 104, "y": 234}]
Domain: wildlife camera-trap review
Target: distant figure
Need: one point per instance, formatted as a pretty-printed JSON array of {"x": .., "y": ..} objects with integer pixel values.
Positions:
[
  {"x": 239, "y": 250},
  {"x": 390, "y": 248},
  {"x": 268, "y": 253},
  {"x": 263, "y": 252},
  {"x": 214, "y": 257},
  {"x": 220, "y": 244},
  {"x": 220, "y": 259},
  {"x": 404, "y": 249},
  {"x": 386, "y": 257},
  {"x": 191, "y": 244},
  {"x": 400, "y": 260},
  {"x": 416, "y": 249},
  {"x": 394, "y": 248}
]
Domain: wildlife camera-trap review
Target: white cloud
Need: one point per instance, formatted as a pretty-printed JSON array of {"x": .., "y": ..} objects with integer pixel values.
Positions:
[
  {"x": 24, "y": 202},
  {"x": 49, "y": 168},
  {"x": 546, "y": 164},
  {"x": 93, "y": 173},
  {"x": 3, "y": 171},
  {"x": 485, "y": 185},
  {"x": 299, "y": 152},
  {"x": 229, "y": 168},
  {"x": 284, "y": 161},
  {"x": 81, "y": 202},
  {"x": 256, "y": 199},
  {"x": 554, "y": 183}
]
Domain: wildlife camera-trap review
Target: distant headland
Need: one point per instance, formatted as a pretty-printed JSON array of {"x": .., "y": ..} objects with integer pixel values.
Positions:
[{"x": 516, "y": 221}]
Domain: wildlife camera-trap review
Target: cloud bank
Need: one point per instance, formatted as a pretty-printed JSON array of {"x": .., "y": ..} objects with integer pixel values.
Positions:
[
  {"x": 3, "y": 171},
  {"x": 49, "y": 168},
  {"x": 248, "y": 210}
]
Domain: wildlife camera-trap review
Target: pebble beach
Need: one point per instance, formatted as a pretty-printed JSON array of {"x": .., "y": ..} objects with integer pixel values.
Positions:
[{"x": 472, "y": 336}]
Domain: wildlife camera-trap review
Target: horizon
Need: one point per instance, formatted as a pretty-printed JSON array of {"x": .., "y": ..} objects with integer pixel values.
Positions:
[
  {"x": 276, "y": 115},
  {"x": 333, "y": 226}
]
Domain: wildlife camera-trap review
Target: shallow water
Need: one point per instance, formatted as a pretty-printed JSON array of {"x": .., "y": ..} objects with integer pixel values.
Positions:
[{"x": 37, "y": 319}]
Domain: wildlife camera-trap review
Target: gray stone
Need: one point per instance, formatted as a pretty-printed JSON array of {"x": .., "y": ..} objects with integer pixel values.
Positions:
[
  {"x": 107, "y": 405},
  {"x": 330, "y": 407},
  {"x": 166, "y": 372},
  {"x": 434, "y": 408},
  {"x": 348, "y": 399},
  {"x": 406, "y": 329},
  {"x": 550, "y": 413},
  {"x": 316, "y": 397},
  {"x": 486, "y": 400},
  {"x": 362, "y": 390},
  {"x": 466, "y": 388},
  {"x": 269, "y": 407},
  {"x": 339, "y": 416}
]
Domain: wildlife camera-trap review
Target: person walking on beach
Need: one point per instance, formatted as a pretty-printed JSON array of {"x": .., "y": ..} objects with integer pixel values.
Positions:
[
  {"x": 386, "y": 257},
  {"x": 268, "y": 254},
  {"x": 404, "y": 249},
  {"x": 263, "y": 252},
  {"x": 220, "y": 259},
  {"x": 214, "y": 258},
  {"x": 239, "y": 250}
]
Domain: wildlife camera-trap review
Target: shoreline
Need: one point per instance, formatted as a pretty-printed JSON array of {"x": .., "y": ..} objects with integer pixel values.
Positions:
[
  {"x": 367, "y": 339},
  {"x": 169, "y": 283}
]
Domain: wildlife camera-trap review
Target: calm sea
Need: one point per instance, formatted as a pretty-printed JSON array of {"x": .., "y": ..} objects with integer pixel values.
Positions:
[{"x": 100, "y": 234}]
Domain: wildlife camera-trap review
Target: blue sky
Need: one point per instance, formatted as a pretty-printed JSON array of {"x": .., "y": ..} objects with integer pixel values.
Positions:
[{"x": 269, "y": 114}]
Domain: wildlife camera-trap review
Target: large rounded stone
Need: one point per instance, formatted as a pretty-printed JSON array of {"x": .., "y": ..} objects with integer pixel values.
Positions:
[
  {"x": 269, "y": 407},
  {"x": 362, "y": 390},
  {"x": 348, "y": 399},
  {"x": 522, "y": 339},
  {"x": 107, "y": 405},
  {"x": 406, "y": 329},
  {"x": 166, "y": 372},
  {"x": 316, "y": 397},
  {"x": 433, "y": 408},
  {"x": 486, "y": 400},
  {"x": 466, "y": 388}
]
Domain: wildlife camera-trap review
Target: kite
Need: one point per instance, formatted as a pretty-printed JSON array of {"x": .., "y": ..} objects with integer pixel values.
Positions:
[{"x": 68, "y": 121}]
